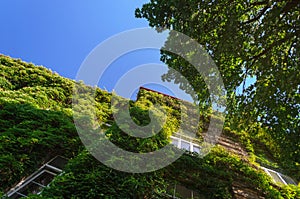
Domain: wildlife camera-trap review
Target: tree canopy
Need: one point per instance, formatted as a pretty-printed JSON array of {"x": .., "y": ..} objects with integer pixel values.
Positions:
[{"x": 248, "y": 40}]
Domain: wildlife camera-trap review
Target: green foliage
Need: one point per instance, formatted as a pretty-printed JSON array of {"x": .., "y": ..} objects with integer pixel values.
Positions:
[
  {"x": 290, "y": 191},
  {"x": 246, "y": 39},
  {"x": 30, "y": 136},
  {"x": 141, "y": 117},
  {"x": 216, "y": 174},
  {"x": 35, "y": 119},
  {"x": 98, "y": 181},
  {"x": 36, "y": 124},
  {"x": 212, "y": 176}
]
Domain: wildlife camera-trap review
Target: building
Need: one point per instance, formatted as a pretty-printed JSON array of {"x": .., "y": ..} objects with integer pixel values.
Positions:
[{"x": 233, "y": 179}]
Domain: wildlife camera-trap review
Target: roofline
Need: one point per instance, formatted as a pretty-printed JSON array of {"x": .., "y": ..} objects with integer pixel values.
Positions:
[{"x": 148, "y": 89}]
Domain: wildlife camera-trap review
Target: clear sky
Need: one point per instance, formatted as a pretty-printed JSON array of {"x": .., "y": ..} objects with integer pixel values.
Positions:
[{"x": 59, "y": 34}]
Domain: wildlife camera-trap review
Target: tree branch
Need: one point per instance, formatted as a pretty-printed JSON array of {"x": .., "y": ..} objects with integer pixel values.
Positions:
[
  {"x": 244, "y": 80},
  {"x": 271, "y": 46},
  {"x": 262, "y": 12}
]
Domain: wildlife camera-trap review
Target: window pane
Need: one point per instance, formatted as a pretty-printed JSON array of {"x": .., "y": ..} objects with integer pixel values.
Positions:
[
  {"x": 288, "y": 180},
  {"x": 183, "y": 192},
  {"x": 175, "y": 142},
  {"x": 44, "y": 178},
  {"x": 275, "y": 177},
  {"x": 16, "y": 195},
  {"x": 185, "y": 145},
  {"x": 31, "y": 188},
  {"x": 196, "y": 149}
]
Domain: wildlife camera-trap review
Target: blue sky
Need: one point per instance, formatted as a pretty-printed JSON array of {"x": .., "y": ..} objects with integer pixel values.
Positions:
[{"x": 59, "y": 34}]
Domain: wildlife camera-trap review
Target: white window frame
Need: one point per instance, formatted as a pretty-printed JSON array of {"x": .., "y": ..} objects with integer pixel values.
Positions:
[
  {"x": 180, "y": 139},
  {"x": 46, "y": 168},
  {"x": 279, "y": 175}
]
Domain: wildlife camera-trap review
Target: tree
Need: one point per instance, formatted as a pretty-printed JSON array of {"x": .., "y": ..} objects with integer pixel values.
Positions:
[{"x": 247, "y": 39}]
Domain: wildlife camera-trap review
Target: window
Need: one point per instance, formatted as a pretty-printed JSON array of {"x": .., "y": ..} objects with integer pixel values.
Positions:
[
  {"x": 35, "y": 183},
  {"x": 179, "y": 191},
  {"x": 175, "y": 142},
  {"x": 186, "y": 143},
  {"x": 279, "y": 177},
  {"x": 196, "y": 149}
]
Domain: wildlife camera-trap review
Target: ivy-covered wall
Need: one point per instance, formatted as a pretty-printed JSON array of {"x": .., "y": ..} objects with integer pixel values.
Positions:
[{"x": 36, "y": 123}]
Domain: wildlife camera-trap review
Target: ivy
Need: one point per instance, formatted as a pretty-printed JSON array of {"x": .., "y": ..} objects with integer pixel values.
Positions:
[{"x": 36, "y": 123}]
